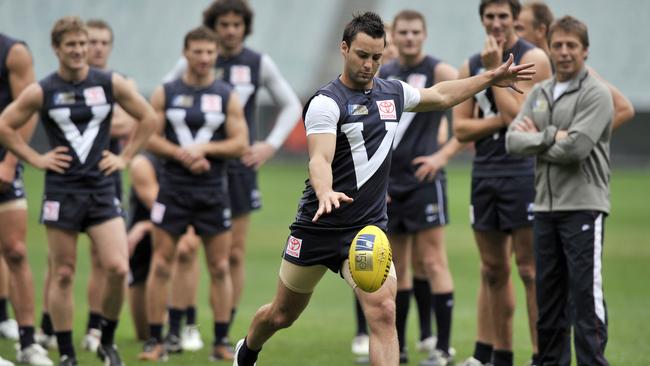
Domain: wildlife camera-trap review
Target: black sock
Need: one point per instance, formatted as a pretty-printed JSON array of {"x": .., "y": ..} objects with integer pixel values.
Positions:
[
  {"x": 64, "y": 340},
  {"x": 94, "y": 321},
  {"x": 108, "y": 327},
  {"x": 175, "y": 319},
  {"x": 422, "y": 293},
  {"x": 190, "y": 315},
  {"x": 402, "y": 302},
  {"x": 362, "y": 325},
  {"x": 26, "y": 336},
  {"x": 483, "y": 352},
  {"x": 4, "y": 315},
  {"x": 501, "y": 358},
  {"x": 46, "y": 324},
  {"x": 233, "y": 312},
  {"x": 221, "y": 332},
  {"x": 155, "y": 331},
  {"x": 443, "y": 305},
  {"x": 247, "y": 356}
]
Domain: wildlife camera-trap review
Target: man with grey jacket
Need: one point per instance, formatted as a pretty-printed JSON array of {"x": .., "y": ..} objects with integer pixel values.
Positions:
[{"x": 566, "y": 122}]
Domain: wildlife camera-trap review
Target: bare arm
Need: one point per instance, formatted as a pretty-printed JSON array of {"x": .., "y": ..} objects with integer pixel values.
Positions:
[
  {"x": 236, "y": 141},
  {"x": 447, "y": 94},
  {"x": 623, "y": 108},
  {"x": 143, "y": 179},
  {"x": 465, "y": 124},
  {"x": 321, "y": 147},
  {"x": 122, "y": 124}
]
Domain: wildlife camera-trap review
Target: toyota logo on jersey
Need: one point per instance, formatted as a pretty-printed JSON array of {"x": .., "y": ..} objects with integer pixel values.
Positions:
[{"x": 387, "y": 109}]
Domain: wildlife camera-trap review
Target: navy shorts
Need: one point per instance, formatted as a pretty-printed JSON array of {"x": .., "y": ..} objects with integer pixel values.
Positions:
[
  {"x": 77, "y": 211},
  {"x": 17, "y": 189},
  {"x": 312, "y": 246},
  {"x": 502, "y": 204},
  {"x": 140, "y": 261},
  {"x": 419, "y": 209},
  {"x": 245, "y": 196},
  {"x": 208, "y": 210}
]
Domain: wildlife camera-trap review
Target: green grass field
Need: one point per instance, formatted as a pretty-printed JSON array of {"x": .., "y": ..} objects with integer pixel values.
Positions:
[{"x": 322, "y": 335}]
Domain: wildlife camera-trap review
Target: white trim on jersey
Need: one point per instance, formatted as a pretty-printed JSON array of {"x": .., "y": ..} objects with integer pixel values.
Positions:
[
  {"x": 82, "y": 143},
  {"x": 441, "y": 202},
  {"x": 176, "y": 117},
  {"x": 404, "y": 123},
  {"x": 322, "y": 115},
  {"x": 599, "y": 302}
]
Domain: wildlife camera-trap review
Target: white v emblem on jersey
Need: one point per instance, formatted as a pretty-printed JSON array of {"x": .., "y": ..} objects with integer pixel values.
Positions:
[
  {"x": 404, "y": 123},
  {"x": 364, "y": 168},
  {"x": 82, "y": 143},
  {"x": 176, "y": 117},
  {"x": 244, "y": 91}
]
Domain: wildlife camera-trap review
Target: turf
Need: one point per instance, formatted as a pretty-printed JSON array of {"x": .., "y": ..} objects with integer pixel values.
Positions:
[{"x": 322, "y": 335}]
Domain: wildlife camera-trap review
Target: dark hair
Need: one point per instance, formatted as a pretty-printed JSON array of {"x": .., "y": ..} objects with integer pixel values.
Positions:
[
  {"x": 65, "y": 25},
  {"x": 201, "y": 33},
  {"x": 515, "y": 6},
  {"x": 572, "y": 25},
  {"x": 100, "y": 24},
  {"x": 542, "y": 14},
  {"x": 222, "y": 7},
  {"x": 410, "y": 15},
  {"x": 369, "y": 23}
]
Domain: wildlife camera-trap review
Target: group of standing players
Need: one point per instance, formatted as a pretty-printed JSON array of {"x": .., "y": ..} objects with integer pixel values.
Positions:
[{"x": 198, "y": 183}]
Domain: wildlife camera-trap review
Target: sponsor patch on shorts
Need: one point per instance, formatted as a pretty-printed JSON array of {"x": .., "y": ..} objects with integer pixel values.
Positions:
[
  {"x": 157, "y": 212},
  {"x": 293, "y": 246},
  {"x": 51, "y": 210}
]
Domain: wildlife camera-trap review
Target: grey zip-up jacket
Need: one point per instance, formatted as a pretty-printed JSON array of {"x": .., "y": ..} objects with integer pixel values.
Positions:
[{"x": 573, "y": 173}]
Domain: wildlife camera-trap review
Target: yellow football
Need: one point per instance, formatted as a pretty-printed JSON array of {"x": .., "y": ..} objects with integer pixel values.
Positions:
[{"x": 370, "y": 258}]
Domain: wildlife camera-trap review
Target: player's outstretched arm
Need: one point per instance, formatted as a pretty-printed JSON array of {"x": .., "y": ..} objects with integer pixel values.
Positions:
[
  {"x": 15, "y": 116},
  {"x": 447, "y": 94},
  {"x": 236, "y": 141}
]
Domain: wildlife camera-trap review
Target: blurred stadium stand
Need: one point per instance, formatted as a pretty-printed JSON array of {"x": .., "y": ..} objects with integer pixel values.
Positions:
[{"x": 302, "y": 36}]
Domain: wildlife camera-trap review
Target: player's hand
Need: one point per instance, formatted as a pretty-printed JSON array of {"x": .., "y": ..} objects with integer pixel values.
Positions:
[
  {"x": 388, "y": 199},
  {"x": 561, "y": 135},
  {"x": 184, "y": 157},
  {"x": 111, "y": 163},
  {"x": 429, "y": 166},
  {"x": 329, "y": 201},
  {"x": 200, "y": 166},
  {"x": 137, "y": 233},
  {"x": 492, "y": 53},
  {"x": 56, "y": 160},
  {"x": 507, "y": 75},
  {"x": 526, "y": 125},
  {"x": 258, "y": 154},
  {"x": 7, "y": 175}
]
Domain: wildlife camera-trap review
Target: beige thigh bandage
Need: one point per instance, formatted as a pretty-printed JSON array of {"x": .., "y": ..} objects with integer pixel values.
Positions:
[
  {"x": 347, "y": 275},
  {"x": 19, "y": 204},
  {"x": 301, "y": 279}
]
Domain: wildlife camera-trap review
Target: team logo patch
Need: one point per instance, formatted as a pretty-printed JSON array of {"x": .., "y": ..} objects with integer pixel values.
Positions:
[
  {"x": 240, "y": 74},
  {"x": 64, "y": 98},
  {"x": 157, "y": 212},
  {"x": 95, "y": 95},
  {"x": 541, "y": 105},
  {"x": 531, "y": 213},
  {"x": 211, "y": 103},
  {"x": 357, "y": 110},
  {"x": 183, "y": 101},
  {"x": 417, "y": 80},
  {"x": 293, "y": 246},
  {"x": 51, "y": 210},
  {"x": 365, "y": 242},
  {"x": 387, "y": 109}
]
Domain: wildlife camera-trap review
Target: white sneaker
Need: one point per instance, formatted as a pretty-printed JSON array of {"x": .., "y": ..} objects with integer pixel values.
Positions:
[
  {"x": 9, "y": 329},
  {"x": 4, "y": 362},
  {"x": 91, "y": 340},
  {"x": 191, "y": 339},
  {"x": 46, "y": 341},
  {"x": 34, "y": 355},
  {"x": 426, "y": 345},
  {"x": 237, "y": 347},
  {"x": 472, "y": 362},
  {"x": 361, "y": 345}
]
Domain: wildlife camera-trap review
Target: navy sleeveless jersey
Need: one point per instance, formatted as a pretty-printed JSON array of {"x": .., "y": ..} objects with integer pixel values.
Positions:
[
  {"x": 417, "y": 133},
  {"x": 242, "y": 71},
  {"x": 138, "y": 211},
  {"x": 361, "y": 164},
  {"x": 195, "y": 116},
  {"x": 5, "y": 88},
  {"x": 491, "y": 158},
  {"x": 78, "y": 115}
]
